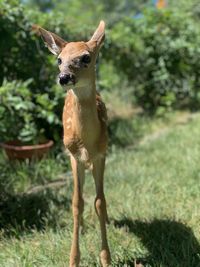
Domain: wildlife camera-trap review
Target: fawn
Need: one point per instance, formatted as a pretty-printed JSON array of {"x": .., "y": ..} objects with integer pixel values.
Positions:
[{"x": 84, "y": 122}]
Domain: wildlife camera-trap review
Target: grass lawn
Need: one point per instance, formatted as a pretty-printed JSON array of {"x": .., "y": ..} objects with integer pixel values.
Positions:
[{"x": 153, "y": 196}]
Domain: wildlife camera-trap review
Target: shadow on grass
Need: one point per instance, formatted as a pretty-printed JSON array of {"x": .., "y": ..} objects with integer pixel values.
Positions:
[
  {"x": 169, "y": 243},
  {"x": 21, "y": 213}
]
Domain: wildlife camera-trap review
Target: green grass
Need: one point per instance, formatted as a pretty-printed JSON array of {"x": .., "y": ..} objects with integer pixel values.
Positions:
[{"x": 153, "y": 196}]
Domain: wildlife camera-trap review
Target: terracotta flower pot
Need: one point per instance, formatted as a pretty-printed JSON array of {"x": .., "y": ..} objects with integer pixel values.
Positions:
[{"x": 16, "y": 150}]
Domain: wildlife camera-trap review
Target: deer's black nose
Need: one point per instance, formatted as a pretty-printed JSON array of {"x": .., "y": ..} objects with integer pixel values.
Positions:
[{"x": 64, "y": 78}]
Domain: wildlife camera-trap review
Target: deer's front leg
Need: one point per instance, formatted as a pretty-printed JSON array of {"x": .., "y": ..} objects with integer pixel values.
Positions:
[
  {"x": 100, "y": 207},
  {"x": 77, "y": 207}
]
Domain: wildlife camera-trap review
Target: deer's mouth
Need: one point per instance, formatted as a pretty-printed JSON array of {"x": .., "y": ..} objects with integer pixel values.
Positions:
[{"x": 73, "y": 80}]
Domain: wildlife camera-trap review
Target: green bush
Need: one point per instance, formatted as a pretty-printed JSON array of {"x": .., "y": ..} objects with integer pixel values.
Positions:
[
  {"x": 16, "y": 109},
  {"x": 160, "y": 55},
  {"x": 28, "y": 117},
  {"x": 22, "y": 57}
]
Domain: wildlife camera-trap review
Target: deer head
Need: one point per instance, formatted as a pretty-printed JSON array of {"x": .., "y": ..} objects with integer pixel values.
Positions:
[{"x": 76, "y": 60}]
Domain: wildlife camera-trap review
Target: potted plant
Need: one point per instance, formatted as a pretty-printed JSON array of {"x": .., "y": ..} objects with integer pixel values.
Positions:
[{"x": 21, "y": 135}]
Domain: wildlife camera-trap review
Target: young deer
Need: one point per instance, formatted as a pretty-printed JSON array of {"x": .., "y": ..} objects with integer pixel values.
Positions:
[{"x": 84, "y": 123}]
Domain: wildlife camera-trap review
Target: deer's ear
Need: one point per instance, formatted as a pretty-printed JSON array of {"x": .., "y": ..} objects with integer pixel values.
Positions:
[
  {"x": 54, "y": 43},
  {"x": 99, "y": 35}
]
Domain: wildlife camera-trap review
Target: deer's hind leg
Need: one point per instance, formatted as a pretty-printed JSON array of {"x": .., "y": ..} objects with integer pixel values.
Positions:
[
  {"x": 100, "y": 207},
  {"x": 78, "y": 170}
]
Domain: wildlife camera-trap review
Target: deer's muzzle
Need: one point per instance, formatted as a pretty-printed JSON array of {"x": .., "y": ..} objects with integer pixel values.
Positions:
[{"x": 66, "y": 78}]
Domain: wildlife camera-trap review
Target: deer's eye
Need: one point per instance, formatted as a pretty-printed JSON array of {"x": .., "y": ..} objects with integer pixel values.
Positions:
[
  {"x": 86, "y": 59},
  {"x": 59, "y": 61}
]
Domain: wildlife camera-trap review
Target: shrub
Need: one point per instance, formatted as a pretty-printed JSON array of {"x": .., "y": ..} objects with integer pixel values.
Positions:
[
  {"x": 25, "y": 116},
  {"x": 22, "y": 58},
  {"x": 16, "y": 109},
  {"x": 160, "y": 55}
]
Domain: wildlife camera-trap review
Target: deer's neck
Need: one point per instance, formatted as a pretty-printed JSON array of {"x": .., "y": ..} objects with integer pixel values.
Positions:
[
  {"x": 84, "y": 106},
  {"x": 85, "y": 90},
  {"x": 85, "y": 94}
]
